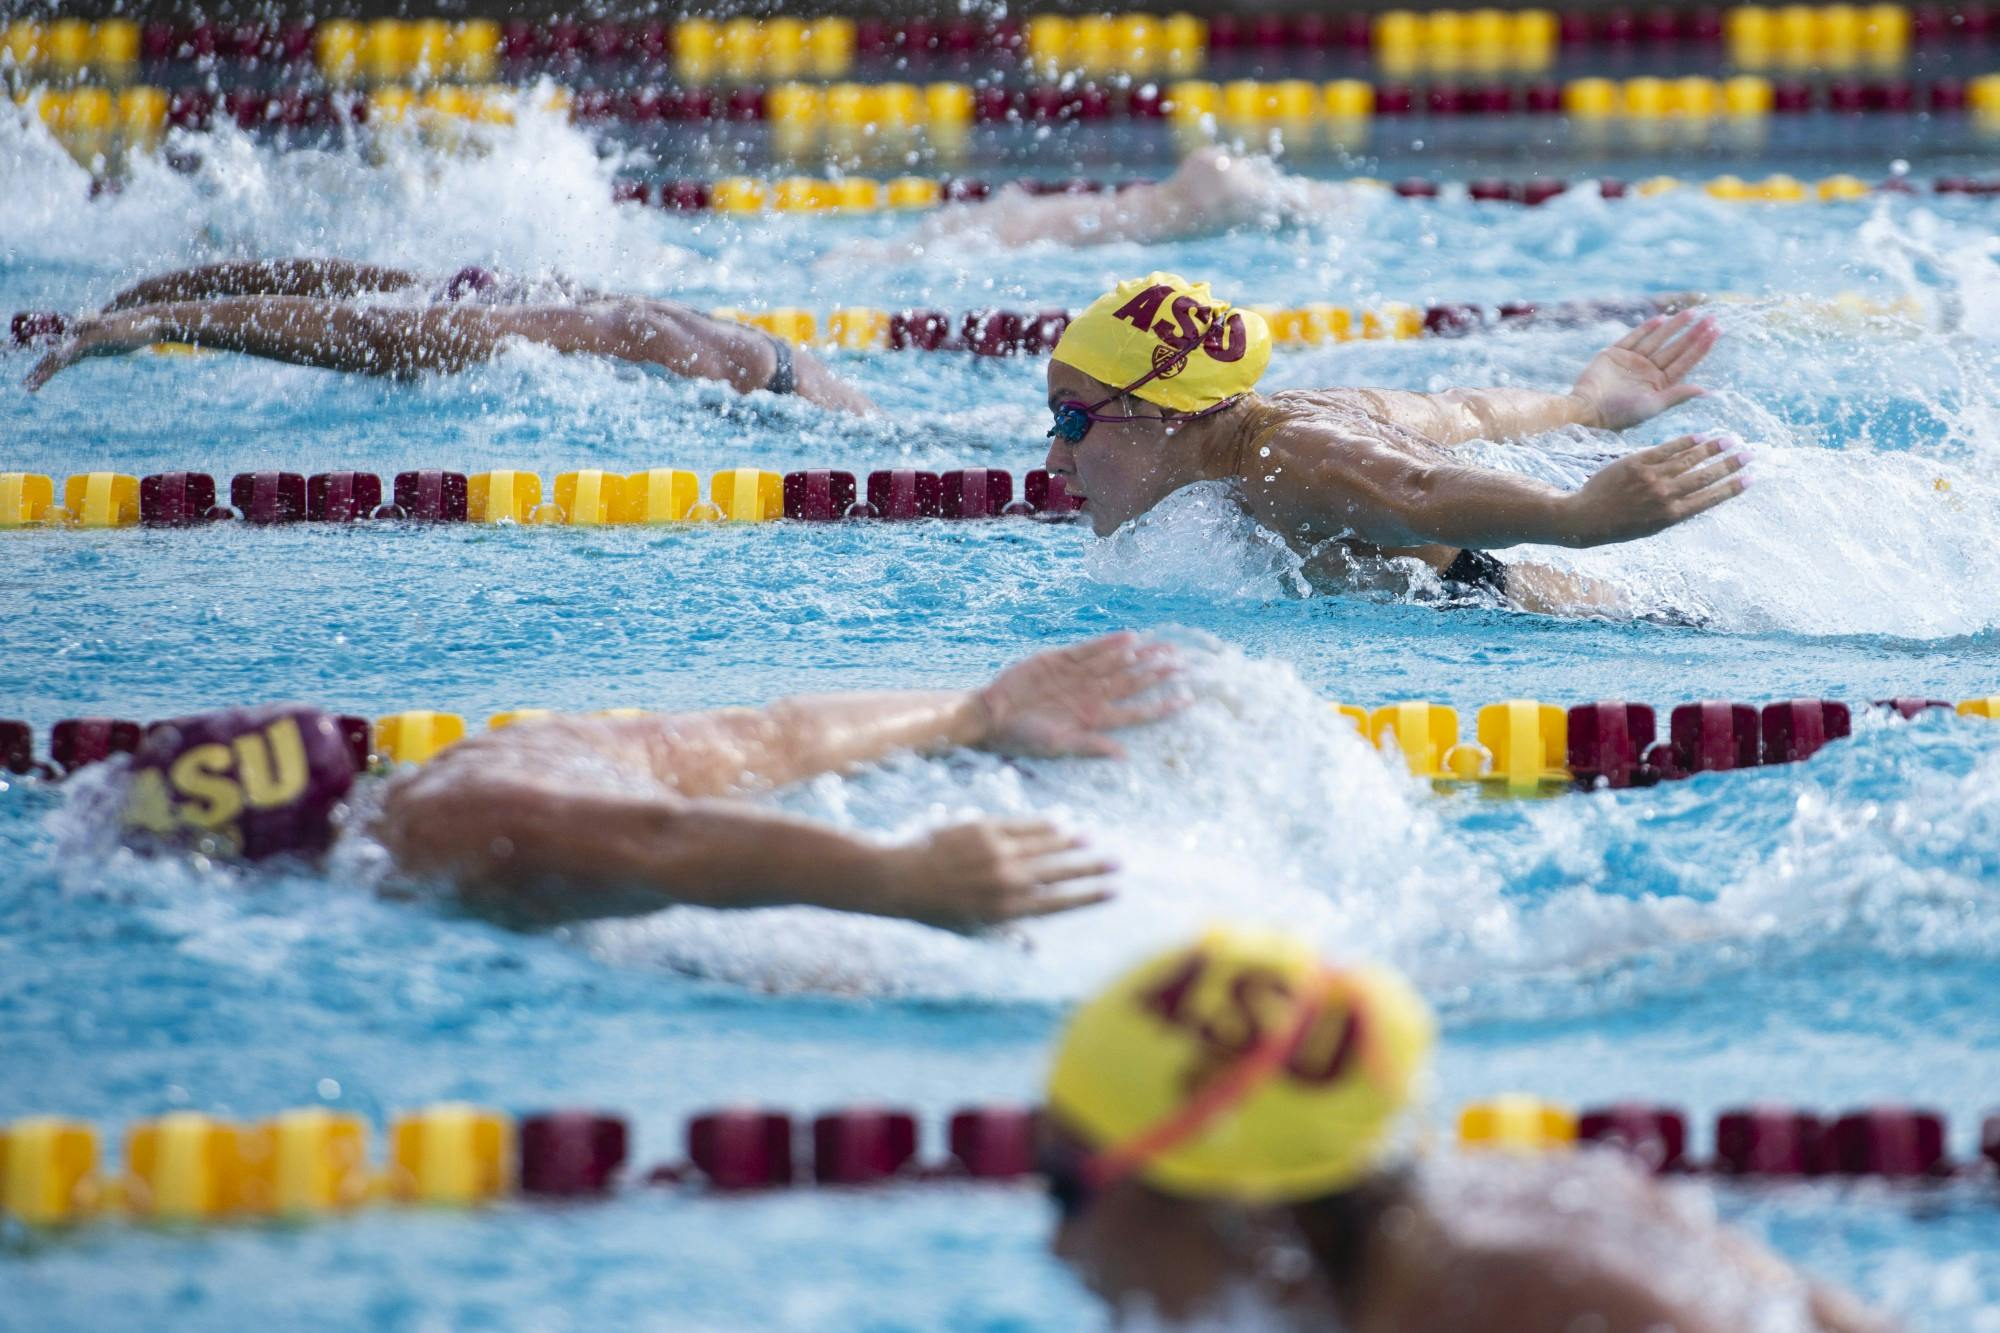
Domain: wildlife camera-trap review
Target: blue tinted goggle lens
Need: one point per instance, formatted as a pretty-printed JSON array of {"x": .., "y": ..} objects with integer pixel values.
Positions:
[
  {"x": 1068, "y": 1190},
  {"x": 1072, "y": 422}
]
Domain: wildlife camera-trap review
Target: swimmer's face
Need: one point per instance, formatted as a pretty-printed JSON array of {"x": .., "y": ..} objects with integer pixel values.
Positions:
[
  {"x": 1144, "y": 1253},
  {"x": 1121, "y": 467}
]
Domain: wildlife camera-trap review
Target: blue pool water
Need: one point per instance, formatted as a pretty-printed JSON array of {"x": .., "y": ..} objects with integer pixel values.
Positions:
[{"x": 1824, "y": 933}]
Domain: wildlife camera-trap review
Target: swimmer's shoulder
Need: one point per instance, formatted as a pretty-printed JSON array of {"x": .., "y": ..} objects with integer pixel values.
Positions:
[
  {"x": 1300, "y": 403},
  {"x": 1305, "y": 421},
  {"x": 1543, "y": 1238},
  {"x": 558, "y": 744}
]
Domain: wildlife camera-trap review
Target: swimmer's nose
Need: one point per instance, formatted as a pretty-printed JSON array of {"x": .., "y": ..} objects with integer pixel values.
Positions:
[{"x": 1061, "y": 461}]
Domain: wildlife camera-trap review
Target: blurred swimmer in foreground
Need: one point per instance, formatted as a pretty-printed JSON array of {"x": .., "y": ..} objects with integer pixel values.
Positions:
[
  {"x": 1210, "y": 192},
  {"x": 313, "y": 312},
  {"x": 1152, "y": 390},
  {"x": 1221, "y": 1144},
  {"x": 565, "y": 818}
]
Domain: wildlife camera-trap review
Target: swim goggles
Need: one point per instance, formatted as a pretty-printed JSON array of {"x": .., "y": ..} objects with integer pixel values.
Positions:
[
  {"x": 1074, "y": 417},
  {"x": 1070, "y": 1190}
]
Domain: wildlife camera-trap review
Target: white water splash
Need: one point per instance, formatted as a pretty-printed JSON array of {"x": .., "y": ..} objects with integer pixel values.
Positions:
[{"x": 533, "y": 197}]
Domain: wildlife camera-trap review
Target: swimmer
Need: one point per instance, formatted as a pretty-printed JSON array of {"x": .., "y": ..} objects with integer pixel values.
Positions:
[
  {"x": 566, "y": 818},
  {"x": 1210, "y": 192},
  {"x": 1152, "y": 390},
  {"x": 1221, "y": 1143},
  {"x": 307, "y": 312}
]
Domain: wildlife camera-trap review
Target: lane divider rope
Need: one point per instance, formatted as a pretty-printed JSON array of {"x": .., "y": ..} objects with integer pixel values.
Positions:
[
  {"x": 187, "y": 1167},
  {"x": 587, "y": 497},
  {"x": 862, "y": 195},
  {"x": 1132, "y": 45},
  {"x": 800, "y": 113},
  {"x": 1520, "y": 747},
  {"x": 996, "y": 333}
]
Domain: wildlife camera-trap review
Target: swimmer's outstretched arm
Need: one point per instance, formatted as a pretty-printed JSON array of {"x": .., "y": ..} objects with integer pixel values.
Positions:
[
  {"x": 1331, "y": 482},
  {"x": 305, "y": 331},
  {"x": 1640, "y": 376},
  {"x": 1208, "y": 193},
  {"x": 1062, "y": 701},
  {"x": 330, "y": 278},
  {"x": 486, "y": 814},
  {"x": 396, "y": 340}
]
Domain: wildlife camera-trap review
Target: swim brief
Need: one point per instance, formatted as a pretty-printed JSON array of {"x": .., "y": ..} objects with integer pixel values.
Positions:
[
  {"x": 784, "y": 379},
  {"x": 1475, "y": 571}
]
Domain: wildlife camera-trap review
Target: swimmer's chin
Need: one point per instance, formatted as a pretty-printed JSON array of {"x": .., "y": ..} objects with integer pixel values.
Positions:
[{"x": 1102, "y": 522}]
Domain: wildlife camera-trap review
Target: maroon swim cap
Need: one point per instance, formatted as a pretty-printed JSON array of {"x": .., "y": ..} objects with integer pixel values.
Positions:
[{"x": 244, "y": 782}]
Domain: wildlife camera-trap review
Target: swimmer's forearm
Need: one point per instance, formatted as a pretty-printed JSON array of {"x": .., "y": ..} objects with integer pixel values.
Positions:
[
  {"x": 328, "y": 334},
  {"x": 733, "y": 751},
  {"x": 273, "y": 277},
  {"x": 1513, "y": 414},
  {"x": 1459, "y": 415},
  {"x": 580, "y": 855},
  {"x": 1481, "y": 509},
  {"x": 801, "y": 737},
  {"x": 715, "y": 854}
]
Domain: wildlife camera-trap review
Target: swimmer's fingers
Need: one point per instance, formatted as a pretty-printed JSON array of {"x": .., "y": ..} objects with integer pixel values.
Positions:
[
  {"x": 1047, "y": 871},
  {"x": 1721, "y": 474},
  {"x": 1054, "y": 703},
  {"x": 1049, "y": 904},
  {"x": 1140, "y": 714},
  {"x": 1044, "y": 840},
  {"x": 1131, "y": 654},
  {"x": 1701, "y": 448},
  {"x": 1704, "y": 500},
  {"x": 1138, "y": 682},
  {"x": 1117, "y": 644},
  {"x": 1690, "y": 351},
  {"x": 52, "y": 365},
  {"x": 1656, "y": 333},
  {"x": 1630, "y": 342},
  {"x": 1677, "y": 454}
]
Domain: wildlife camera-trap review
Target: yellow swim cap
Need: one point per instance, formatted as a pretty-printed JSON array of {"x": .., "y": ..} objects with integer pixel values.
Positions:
[
  {"x": 1190, "y": 350},
  {"x": 1241, "y": 1067}
]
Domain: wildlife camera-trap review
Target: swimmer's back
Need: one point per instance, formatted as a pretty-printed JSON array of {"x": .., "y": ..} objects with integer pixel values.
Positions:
[{"x": 1542, "y": 1237}]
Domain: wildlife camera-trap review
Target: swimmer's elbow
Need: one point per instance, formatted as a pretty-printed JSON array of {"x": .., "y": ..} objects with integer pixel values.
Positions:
[
  {"x": 1408, "y": 506},
  {"x": 384, "y": 342},
  {"x": 617, "y": 328},
  {"x": 611, "y": 321}
]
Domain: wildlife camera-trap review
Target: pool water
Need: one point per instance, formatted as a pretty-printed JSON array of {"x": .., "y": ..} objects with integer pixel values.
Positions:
[{"x": 1823, "y": 934}]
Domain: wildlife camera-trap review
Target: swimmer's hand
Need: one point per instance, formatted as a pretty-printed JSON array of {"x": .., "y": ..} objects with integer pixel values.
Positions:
[
  {"x": 1645, "y": 372},
  {"x": 971, "y": 876},
  {"x": 1651, "y": 490},
  {"x": 102, "y": 335},
  {"x": 1064, "y": 701}
]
